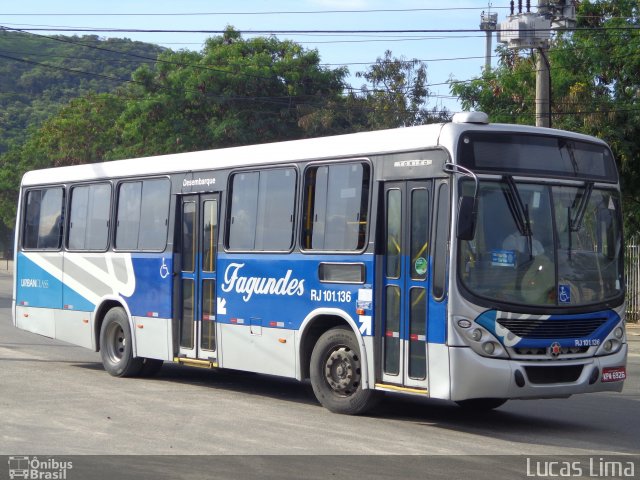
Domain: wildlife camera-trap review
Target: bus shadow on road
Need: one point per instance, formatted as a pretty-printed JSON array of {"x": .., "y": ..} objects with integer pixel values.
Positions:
[
  {"x": 580, "y": 422},
  {"x": 246, "y": 383}
]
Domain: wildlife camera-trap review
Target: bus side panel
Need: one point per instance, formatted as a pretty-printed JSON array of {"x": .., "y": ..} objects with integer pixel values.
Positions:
[
  {"x": 264, "y": 299},
  {"x": 38, "y": 291},
  {"x": 439, "y": 371},
  {"x": 151, "y": 285},
  {"x": 153, "y": 338},
  {"x": 150, "y": 304},
  {"x": 261, "y": 350},
  {"x": 73, "y": 327}
]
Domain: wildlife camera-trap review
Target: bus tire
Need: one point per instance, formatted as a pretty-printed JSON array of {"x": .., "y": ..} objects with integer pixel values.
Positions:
[
  {"x": 481, "y": 404},
  {"x": 116, "y": 345},
  {"x": 336, "y": 373}
]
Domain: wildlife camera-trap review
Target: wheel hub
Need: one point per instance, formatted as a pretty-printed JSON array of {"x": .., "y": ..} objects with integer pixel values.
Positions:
[
  {"x": 117, "y": 343},
  {"x": 342, "y": 371}
]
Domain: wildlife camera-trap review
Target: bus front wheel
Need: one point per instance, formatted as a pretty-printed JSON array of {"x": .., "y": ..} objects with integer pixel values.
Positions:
[
  {"x": 336, "y": 373},
  {"x": 116, "y": 346}
]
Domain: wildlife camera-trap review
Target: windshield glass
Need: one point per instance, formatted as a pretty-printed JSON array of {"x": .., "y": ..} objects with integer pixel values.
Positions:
[{"x": 561, "y": 247}]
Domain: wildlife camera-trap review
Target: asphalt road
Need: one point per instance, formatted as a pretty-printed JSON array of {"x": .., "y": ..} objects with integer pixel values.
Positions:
[{"x": 56, "y": 399}]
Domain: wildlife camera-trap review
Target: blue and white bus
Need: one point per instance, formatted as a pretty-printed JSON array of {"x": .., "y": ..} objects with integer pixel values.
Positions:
[{"x": 465, "y": 261}]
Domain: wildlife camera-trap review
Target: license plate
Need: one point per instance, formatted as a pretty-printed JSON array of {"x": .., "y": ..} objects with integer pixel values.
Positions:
[{"x": 614, "y": 374}]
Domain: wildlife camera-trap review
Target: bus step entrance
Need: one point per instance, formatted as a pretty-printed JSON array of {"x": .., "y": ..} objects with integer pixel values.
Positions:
[{"x": 192, "y": 362}]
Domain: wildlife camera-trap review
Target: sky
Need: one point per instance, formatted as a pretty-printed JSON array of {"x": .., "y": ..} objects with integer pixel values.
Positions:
[{"x": 448, "y": 55}]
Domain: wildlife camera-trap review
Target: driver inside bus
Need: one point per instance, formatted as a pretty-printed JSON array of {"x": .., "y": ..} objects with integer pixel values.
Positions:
[{"x": 518, "y": 242}]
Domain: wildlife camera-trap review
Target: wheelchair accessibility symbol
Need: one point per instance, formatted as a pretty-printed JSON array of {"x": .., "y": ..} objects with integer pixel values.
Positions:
[
  {"x": 164, "y": 270},
  {"x": 564, "y": 294}
]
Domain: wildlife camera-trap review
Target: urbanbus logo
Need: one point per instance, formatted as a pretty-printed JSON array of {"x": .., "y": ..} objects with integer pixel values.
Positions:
[{"x": 32, "y": 468}]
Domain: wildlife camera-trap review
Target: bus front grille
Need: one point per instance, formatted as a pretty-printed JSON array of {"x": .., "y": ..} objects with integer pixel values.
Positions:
[
  {"x": 551, "y": 329},
  {"x": 541, "y": 351}
]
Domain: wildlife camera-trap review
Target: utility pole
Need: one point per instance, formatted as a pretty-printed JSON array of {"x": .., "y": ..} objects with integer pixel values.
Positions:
[
  {"x": 543, "y": 75},
  {"x": 543, "y": 89},
  {"x": 526, "y": 30},
  {"x": 488, "y": 23}
]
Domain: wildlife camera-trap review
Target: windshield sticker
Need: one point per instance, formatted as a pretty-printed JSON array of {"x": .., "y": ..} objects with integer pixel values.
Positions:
[
  {"x": 564, "y": 293},
  {"x": 611, "y": 204},
  {"x": 420, "y": 265},
  {"x": 503, "y": 258}
]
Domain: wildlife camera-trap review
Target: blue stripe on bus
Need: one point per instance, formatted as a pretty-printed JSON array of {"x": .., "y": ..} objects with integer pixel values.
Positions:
[{"x": 275, "y": 290}]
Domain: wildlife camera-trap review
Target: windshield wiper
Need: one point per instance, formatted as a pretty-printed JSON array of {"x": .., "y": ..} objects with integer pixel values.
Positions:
[
  {"x": 576, "y": 221},
  {"x": 519, "y": 211},
  {"x": 563, "y": 143}
]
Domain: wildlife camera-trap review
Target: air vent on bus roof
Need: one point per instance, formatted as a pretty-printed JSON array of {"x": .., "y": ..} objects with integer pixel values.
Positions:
[{"x": 471, "y": 117}]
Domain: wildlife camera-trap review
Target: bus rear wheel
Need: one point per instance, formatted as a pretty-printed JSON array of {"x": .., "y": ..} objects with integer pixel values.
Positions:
[
  {"x": 336, "y": 373},
  {"x": 116, "y": 345}
]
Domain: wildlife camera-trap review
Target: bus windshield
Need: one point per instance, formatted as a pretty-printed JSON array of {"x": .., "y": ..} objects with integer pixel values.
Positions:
[{"x": 544, "y": 245}]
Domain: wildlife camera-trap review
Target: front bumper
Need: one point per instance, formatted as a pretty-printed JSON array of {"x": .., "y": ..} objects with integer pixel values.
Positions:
[{"x": 474, "y": 376}]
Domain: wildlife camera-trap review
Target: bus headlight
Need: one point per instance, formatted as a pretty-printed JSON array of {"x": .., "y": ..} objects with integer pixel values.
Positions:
[
  {"x": 476, "y": 335},
  {"x": 481, "y": 340},
  {"x": 489, "y": 348},
  {"x": 614, "y": 341}
]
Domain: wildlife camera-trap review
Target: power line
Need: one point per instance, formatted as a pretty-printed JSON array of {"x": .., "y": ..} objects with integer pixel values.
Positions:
[
  {"x": 27, "y": 28},
  {"x": 295, "y": 32},
  {"x": 290, "y": 12}
]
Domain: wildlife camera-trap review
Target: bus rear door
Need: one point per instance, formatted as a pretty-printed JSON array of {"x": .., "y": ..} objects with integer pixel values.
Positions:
[{"x": 198, "y": 253}]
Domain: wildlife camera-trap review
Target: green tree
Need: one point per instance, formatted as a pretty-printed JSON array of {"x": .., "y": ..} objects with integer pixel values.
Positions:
[
  {"x": 398, "y": 93},
  {"x": 236, "y": 91},
  {"x": 40, "y": 74},
  {"x": 84, "y": 131},
  {"x": 395, "y": 95}
]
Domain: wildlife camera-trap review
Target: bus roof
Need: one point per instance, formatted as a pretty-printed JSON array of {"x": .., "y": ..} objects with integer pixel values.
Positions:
[{"x": 340, "y": 146}]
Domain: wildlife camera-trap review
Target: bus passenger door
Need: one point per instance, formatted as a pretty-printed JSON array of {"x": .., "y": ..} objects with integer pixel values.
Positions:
[
  {"x": 405, "y": 283},
  {"x": 198, "y": 253}
]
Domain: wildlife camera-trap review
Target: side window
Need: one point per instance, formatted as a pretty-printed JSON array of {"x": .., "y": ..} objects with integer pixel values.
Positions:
[
  {"x": 128, "y": 216},
  {"x": 43, "y": 219},
  {"x": 335, "y": 211},
  {"x": 441, "y": 242},
  {"x": 244, "y": 211},
  {"x": 262, "y": 210},
  {"x": 143, "y": 215},
  {"x": 276, "y": 204},
  {"x": 89, "y": 217},
  {"x": 154, "y": 214}
]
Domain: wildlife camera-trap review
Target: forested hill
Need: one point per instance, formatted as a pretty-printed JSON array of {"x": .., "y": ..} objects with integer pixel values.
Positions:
[{"x": 39, "y": 74}]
